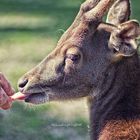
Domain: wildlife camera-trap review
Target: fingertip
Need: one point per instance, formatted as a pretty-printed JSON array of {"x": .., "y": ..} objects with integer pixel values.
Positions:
[
  {"x": 11, "y": 92},
  {"x": 5, "y": 84}
]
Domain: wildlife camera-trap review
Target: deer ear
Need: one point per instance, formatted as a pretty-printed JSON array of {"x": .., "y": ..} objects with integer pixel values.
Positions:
[
  {"x": 119, "y": 12},
  {"x": 129, "y": 29},
  {"x": 123, "y": 39}
]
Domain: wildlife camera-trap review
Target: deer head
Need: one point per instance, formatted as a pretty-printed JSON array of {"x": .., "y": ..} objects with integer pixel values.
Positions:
[{"x": 78, "y": 65}]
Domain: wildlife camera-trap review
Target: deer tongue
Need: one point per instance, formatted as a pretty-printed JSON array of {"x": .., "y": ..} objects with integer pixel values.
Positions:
[{"x": 18, "y": 96}]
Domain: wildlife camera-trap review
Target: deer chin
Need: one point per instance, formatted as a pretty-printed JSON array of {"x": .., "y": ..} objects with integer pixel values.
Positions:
[{"x": 37, "y": 98}]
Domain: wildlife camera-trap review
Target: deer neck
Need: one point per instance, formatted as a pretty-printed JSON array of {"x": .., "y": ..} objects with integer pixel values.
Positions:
[{"x": 117, "y": 98}]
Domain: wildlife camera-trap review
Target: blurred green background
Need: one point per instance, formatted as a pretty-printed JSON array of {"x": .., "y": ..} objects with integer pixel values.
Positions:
[{"x": 29, "y": 30}]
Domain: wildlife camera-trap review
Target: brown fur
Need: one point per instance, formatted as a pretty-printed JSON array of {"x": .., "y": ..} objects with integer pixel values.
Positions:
[
  {"x": 99, "y": 61},
  {"x": 121, "y": 130}
]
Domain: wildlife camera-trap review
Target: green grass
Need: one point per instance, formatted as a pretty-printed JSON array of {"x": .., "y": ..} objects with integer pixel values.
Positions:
[{"x": 29, "y": 30}]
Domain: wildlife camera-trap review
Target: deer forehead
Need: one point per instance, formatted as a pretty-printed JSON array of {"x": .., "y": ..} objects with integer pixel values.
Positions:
[{"x": 67, "y": 48}]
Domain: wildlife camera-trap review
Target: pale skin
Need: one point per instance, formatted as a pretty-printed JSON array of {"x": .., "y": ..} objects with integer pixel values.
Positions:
[{"x": 6, "y": 91}]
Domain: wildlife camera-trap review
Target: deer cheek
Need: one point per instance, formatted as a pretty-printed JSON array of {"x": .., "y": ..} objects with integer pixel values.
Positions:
[{"x": 69, "y": 66}]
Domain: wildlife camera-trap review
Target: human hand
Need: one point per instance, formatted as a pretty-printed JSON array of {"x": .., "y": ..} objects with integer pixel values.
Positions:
[{"x": 5, "y": 92}]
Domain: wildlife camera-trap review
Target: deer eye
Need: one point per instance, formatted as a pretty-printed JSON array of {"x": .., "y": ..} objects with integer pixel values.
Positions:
[{"x": 73, "y": 57}]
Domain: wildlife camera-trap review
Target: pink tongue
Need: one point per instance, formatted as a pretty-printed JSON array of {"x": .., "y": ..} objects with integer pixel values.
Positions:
[{"x": 18, "y": 96}]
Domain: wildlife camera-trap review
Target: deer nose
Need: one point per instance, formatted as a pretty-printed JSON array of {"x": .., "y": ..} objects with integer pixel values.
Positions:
[{"x": 22, "y": 83}]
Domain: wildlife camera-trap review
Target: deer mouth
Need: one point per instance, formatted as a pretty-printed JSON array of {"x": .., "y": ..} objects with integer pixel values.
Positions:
[
  {"x": 37, "y": 98},
  {"x": 34, "y": 98}
]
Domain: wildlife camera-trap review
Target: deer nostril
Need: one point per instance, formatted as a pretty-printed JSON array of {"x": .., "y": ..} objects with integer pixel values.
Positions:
[{"x": 23, "y": 83}]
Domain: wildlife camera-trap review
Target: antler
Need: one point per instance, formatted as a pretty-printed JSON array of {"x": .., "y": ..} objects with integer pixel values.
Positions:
[
  {"x": 98, "y": 12},
  {"x": 86, "y": 6},
  {"x": 90, "y": 11}
]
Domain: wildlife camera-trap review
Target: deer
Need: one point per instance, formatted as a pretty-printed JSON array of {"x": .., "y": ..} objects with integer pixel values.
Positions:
[{"x": 97, "y": 60}]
